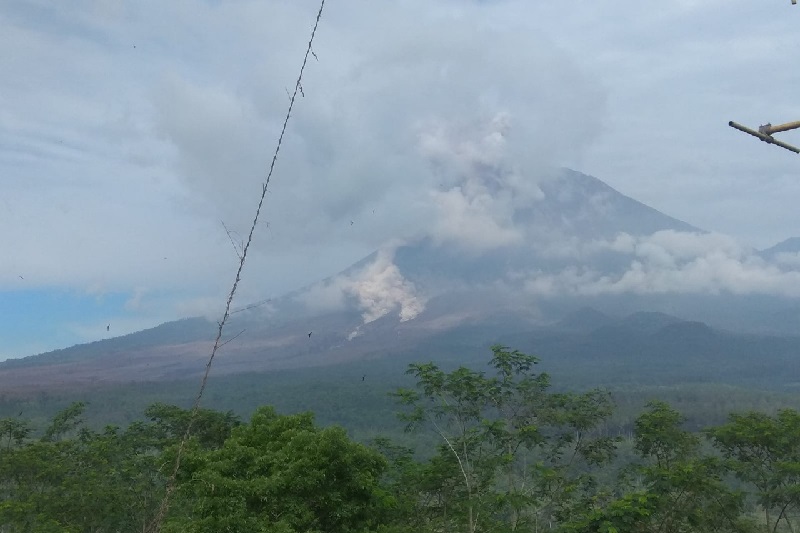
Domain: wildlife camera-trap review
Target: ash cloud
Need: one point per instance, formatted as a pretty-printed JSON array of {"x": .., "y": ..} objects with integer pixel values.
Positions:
[
  {"x": 381, "y": 289},
  {"x": 439, "y": 97},
  {"x": 480, "y": 189},
  {"x": 376, "y": 290}
]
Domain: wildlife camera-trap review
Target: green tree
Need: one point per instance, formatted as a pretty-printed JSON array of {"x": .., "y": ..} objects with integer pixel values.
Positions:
[
  {"x": 282, "y": 474},
  {"x": 75, "y": 479},
  {"x": 94, "y": 482},
  {"x": 13, "y": 432},
  {"x": 211, "y": 428},
  {"x": 676, "y": 489},
  {"x": 764, "y": 451},
  {"x": 65, "y": 422},
  {"x": 513, "y": 454}
]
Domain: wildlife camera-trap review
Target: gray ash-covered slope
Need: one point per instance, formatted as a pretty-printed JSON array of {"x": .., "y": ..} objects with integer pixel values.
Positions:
[
  {"x": 429, "y": 284},
  {"x": 582, "y": 206}
]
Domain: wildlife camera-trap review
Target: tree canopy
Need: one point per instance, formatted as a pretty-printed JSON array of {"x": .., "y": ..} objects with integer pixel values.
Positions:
[{"x": 499, "y": 451}]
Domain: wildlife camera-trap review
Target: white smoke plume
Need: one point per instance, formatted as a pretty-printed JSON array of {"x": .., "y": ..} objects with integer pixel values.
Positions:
[
  {"x": 381, "y": 289},
  {"x": 378, "y": 290},
  {"x": 480, "y": 188}
]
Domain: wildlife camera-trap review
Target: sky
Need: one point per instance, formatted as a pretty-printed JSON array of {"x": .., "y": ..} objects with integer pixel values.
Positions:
[{"x": 132, "y": 134}]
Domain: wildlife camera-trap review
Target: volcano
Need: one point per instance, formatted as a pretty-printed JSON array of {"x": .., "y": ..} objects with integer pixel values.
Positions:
[{"x": 575, "y": 244}]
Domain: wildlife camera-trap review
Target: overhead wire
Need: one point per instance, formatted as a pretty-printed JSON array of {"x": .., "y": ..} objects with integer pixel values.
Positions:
[{"x": 157, "y": 522}]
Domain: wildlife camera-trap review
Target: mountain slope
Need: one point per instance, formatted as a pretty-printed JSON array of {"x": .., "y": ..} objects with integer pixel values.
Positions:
[{"x": 579, "y": 244}]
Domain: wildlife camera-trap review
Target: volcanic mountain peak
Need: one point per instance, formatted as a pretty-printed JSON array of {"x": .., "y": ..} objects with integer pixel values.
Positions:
[
  {"x": 581, "y": 245},
  {"x": 582, "y": 206}
]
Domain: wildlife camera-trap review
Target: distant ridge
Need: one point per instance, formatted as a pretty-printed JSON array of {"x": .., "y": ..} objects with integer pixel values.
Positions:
[
  {"x": 790, "y": 245},
  {"x": 176, "y": 332},
  {"x": 589, "y": 320},
  {"x": 584, "y": 320},
  {"x": 650, "y": 321},
  {"x": 687, "y": 331}
]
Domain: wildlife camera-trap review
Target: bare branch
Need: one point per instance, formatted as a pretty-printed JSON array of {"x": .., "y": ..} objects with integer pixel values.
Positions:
[
  {"x": 230, "y": 237},
  {"x": 251, "y": 306},
  {"x": 232, "y": 338},
  {"x": 458, "y": 458}
]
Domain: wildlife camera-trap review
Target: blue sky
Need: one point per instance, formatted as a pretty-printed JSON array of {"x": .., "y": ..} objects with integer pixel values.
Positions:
[
  {"x": 35, "y": 320},
  {"x": 129, "y": 131}
]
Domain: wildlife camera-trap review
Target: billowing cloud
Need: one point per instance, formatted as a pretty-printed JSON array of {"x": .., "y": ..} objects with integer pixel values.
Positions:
[
  {"x": 464, "y": 146},
  {"x": 480, "y": 188},
  {"x": 673, "y": 262},
  {"x": 474, "y": 220},
  {"x": 788, "y": 259}
]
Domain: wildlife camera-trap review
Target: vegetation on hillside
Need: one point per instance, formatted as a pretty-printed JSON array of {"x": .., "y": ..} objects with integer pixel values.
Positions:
[{"x": 495, "y": 450}]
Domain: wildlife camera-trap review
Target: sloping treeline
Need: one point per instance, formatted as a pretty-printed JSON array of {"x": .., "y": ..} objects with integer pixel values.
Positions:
[{"x": 511, "y": 455}]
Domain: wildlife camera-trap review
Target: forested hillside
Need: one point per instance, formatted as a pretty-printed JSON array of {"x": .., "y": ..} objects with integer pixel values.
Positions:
[{"x": 500, "y": 449}]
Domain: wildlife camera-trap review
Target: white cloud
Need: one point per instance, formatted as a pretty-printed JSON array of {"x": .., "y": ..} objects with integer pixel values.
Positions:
[
  {"x": 360, "y": 143},
  {"x": 474, "y": 220},
  {"x": 788, "y": 259},
  {"x": 673, "y": 262},
  {"x": 128, "y": 130},
  {"x": 134, "y": 303},
  {"x": 480, "y": 189}
]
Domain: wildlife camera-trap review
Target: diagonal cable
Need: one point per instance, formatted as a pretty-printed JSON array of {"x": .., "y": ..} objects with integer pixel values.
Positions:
[{"x": 155, "y": 526}]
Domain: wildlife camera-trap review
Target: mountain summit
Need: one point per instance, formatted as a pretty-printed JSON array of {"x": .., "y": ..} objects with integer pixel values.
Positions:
[
  {"x": 570, "y": 241},
  {"x": 574, "y": 229}
]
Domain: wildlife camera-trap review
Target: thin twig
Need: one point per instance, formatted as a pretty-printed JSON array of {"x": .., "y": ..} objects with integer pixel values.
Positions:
[
  {"x": 232, "y": 338},
  {"x": 458, "y": 458},
  {"x": 251, "y": 306},
  {"x": 233, "y": 243}
]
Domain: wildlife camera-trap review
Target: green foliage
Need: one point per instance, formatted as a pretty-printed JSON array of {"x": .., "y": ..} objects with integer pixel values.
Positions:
[
  {"x": 75, "y": 479},
  {"x": 336, "y": 395},
  {"x": 513, "y": 454},
  {"x": 675, "y": 489},
  {"x": 764, "y": 451},
  {"x": 282, "y": 474},
  {"x": 13, "y": 432},
  {"x": 504, "y": 452},
  {"x": 210, "y": 428},
  {"x": 96, "y": 481},
  {"x": 65, "y": 422},
  {"x": 659, "y": 436}
]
